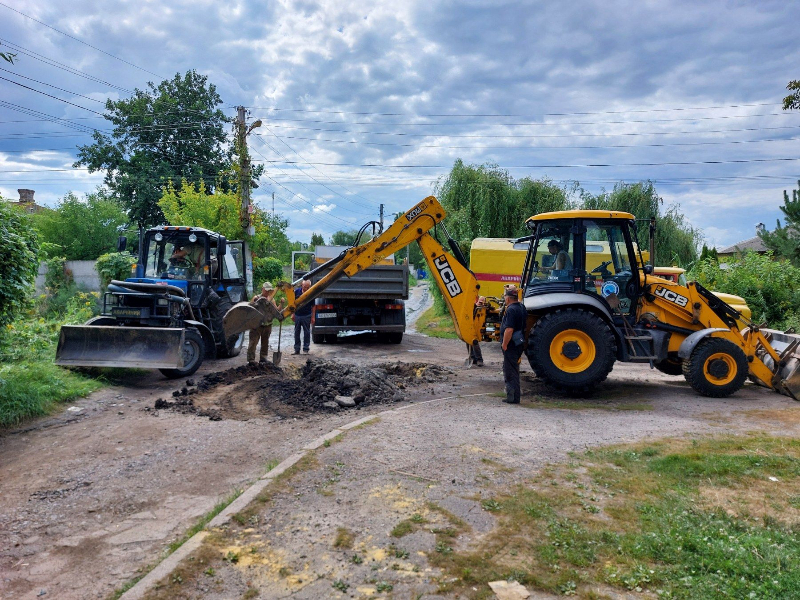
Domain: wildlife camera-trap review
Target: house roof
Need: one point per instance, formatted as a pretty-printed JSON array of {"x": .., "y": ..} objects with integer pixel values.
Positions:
[{"x": 754, "y": 243}]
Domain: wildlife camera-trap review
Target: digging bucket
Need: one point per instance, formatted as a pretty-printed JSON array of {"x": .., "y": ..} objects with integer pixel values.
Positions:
[
  {"x": 787, "y": 345},
  {"x": 131, "y": 347}
]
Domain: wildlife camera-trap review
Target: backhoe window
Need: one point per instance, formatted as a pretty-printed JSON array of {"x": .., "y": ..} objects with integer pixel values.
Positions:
[
  {"x": 607, "y": 262},
  {"x": 552, "y": 258},
  {"x": 175, "y": 258}
]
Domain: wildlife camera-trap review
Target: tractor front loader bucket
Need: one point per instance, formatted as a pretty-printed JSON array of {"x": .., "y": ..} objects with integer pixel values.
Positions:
[
  {"x": 244, "y": 316},
  {"x": 130, "y": 347},
  {"x": 786, "y": 378}
]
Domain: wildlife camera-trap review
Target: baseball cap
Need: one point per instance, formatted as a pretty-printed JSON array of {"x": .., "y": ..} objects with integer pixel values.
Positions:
[{"x": 267, "y": 287}]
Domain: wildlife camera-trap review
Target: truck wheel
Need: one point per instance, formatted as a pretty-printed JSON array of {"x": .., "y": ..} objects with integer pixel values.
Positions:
[
  {"x": 571, "y": 349},
  {"x": 318, "y": 338},
  {"x": 395, "y": 337},
  {"x": 717, "y": 368},
  {"x": 331, "y": 338},
  {"x": 193, "y": 352},
  {"x": 670, "y": 366}
]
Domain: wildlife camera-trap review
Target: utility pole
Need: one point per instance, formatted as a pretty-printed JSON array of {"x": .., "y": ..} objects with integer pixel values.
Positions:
[
  {"x": 245, "y": 181},
  {"x": 381, "y": 219}
]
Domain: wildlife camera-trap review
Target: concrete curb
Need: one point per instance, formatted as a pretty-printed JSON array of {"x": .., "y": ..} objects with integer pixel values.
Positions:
[{"x": 166, "y": 566}]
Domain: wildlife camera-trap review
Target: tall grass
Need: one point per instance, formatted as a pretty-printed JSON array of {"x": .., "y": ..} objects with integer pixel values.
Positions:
[{"x": 30, "y": 384}]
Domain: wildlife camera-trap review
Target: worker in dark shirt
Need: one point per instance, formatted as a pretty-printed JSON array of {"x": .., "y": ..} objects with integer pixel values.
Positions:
[
  {"x": 513, "y": 322},
  {"x": 302, "y": 319}
]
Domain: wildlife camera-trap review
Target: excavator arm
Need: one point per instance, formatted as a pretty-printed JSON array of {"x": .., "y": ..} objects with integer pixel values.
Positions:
[{"x": 457, "y": 283}]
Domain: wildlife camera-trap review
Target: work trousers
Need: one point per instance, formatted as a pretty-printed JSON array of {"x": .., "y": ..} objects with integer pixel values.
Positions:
[
  {"x": 259, "y": 334},
  {"x": 304, "y": 324},
  {"x": 475, "y": 354},
  {"x": 511, "y": 372}
]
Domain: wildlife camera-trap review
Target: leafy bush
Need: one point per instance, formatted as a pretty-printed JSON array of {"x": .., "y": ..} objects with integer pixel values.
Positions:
[
  {"x": 19, "y": 250},
  {"x": 114, "y": 265},
  {"x": 83, "y": 228},
  {"x": 771, "y": 288},
  {"x": 266, "y": 269}
]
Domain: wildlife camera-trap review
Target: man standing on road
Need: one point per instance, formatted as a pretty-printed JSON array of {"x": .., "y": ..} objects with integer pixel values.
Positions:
[
  {"x": 263, "y": 331},
  {"x": 513, "y": 323},
  {"x": 302, "y": 319}
]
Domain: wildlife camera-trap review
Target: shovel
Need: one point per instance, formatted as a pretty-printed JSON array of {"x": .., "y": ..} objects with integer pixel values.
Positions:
[{"x": 276, "y": 356}]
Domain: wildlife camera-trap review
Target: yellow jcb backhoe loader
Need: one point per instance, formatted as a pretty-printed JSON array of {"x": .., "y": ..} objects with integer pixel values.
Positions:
[{"x": 581, "y": 319}]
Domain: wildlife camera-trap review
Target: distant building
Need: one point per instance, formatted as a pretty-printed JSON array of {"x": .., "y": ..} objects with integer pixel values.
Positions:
[
  {"x": 27, "y": 203},
  {"x": 756, "y": 244}
]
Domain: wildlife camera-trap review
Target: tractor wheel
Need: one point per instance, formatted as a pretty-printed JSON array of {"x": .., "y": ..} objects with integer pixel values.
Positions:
[
  {"x": 193, "y": 352},
  {"x": 716, "y": 368},
  {"x": 571, "y": 349},
  {"x": 670, "y": 366},
  {"x": 232, "y": 346}
]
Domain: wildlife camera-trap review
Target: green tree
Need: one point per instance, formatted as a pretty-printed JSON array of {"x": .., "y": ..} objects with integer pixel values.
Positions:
[
  {"x": 785, "y": 241},
  {"x": 676, "y": 240},
  {"x": 19, "y": 250},
  {"x": 8, "y": 57},
  {"x": 344, "y": 238},
  {"x": 316, "y": 240},
  {"x": 485, "y": 201},
  {"x": 792, "y": 101},
  {"x": 171, "y": 131},
  {"x": 84, "y": 229},
  {"x": 218, "y": 211}
]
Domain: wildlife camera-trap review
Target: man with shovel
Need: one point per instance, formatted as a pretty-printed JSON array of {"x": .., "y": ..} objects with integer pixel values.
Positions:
[{"x": 263, "y": 331}]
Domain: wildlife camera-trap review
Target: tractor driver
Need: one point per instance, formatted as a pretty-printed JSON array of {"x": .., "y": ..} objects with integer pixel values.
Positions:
[
  {"x": 190, "y": 256},
  {"x": 562, "y": 261}
]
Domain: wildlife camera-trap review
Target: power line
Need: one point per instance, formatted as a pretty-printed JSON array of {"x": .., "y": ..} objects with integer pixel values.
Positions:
[
  {"x": 79, "y": 40},
  {"x": 54, "y": 119},
  {"x": 299, "y": 183},
  {"x": 316, "y": 168},
  {"x": 27, "y": 87},
  {"x": 509, "y": 115},
  {"x": 535, "y": 123},
  {"x": 54, "y": 63},
  {"x": 50, "y": 85}
]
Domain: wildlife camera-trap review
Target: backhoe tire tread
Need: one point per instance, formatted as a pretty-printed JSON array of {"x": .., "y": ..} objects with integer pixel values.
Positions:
[
  {"x": 695, "y": 374},
  {"x": 553, "y": 323}
]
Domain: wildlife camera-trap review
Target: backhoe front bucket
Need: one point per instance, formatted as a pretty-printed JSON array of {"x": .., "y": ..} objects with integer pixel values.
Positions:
[
  {"x": 787, "y": 377},
  {"x": 244, "y": 316},
  {"x": 130, "y": 347}
]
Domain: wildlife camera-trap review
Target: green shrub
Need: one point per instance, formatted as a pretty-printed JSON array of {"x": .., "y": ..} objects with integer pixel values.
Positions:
[
  {"x": 266, "y": 269},
  {"x": 771, "y": 288},
  {"x": 114, "y": 265},
  {"x": 19, "y": 250}
]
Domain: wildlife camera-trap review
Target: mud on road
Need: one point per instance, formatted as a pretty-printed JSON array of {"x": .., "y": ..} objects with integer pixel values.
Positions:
[
  {"x": 95, "y": 493},
  {"x": 319, "y": 385}
]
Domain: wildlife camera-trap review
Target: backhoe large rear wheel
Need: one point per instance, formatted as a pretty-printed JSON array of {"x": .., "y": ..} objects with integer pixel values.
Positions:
[
  {"x": 716, "y": 368},
  {"x": 193, "y": 352},
  {"x": 571, "y": 349}
]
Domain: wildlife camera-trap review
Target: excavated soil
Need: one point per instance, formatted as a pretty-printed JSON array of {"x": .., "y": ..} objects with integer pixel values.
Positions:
[{"x": 261, "y": 389}]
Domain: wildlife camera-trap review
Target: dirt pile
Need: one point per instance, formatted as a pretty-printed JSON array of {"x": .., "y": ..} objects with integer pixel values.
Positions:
[{"x": 317, "y": 386}]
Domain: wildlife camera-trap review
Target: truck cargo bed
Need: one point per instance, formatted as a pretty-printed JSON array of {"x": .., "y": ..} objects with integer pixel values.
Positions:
[{"x": 379, "y": 282}]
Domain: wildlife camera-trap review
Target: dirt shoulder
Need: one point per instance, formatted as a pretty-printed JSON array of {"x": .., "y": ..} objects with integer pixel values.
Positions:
[{"x": 90, "y": 496}]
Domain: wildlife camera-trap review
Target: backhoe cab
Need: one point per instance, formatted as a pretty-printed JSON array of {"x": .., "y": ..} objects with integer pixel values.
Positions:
[{"x": 591, "y": 301}]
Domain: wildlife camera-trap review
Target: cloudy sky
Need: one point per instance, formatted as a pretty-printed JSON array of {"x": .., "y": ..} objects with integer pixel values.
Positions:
[{"x": 366, "y": 103}]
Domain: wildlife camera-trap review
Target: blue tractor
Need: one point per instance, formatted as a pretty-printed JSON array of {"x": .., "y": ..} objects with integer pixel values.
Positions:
[{"x": 168, "y": 315}]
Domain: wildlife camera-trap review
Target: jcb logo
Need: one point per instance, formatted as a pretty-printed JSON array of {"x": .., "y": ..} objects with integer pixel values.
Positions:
[
  {"x": 671, "y": 296},
  {"x": 410, "y": 215},
  {"x": 447, "y": 275}
]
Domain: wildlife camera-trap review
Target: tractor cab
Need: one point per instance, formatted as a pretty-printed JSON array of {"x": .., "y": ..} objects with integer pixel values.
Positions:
[
  {"x": 192, "y": 259},
  {"x": 590, "y": 252}
]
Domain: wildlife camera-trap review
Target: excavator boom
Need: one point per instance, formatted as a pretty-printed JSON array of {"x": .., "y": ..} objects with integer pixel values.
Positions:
[{"x": 456, "y": 282}]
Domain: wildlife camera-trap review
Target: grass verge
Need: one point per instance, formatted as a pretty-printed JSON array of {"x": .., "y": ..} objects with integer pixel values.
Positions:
[
  {"x": 438, "y": 326},
  {"x": 707, "y": 518}
]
